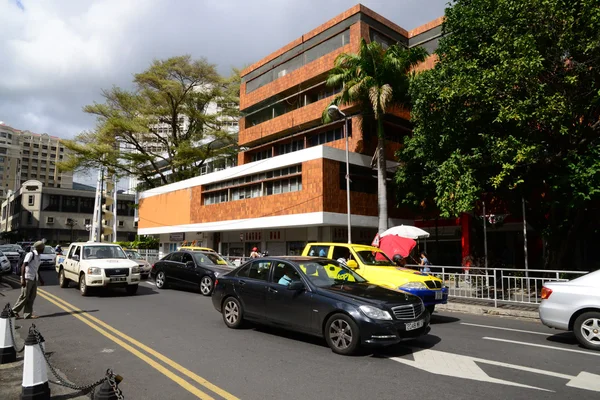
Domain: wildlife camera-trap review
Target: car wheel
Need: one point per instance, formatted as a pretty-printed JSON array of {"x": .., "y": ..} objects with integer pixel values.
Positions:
[
  {"x": 63, "y": 282},
  {"x": 131, "y": 289},
  {"x": 206, "y": 285},
  {"x": 161, "y": 280},
  {"x": 431, "y": 309},
  {"x": 233, "y": 315},
  {"x": 83, "y": 287},
  {"x": 341, "y": 334},
  {"x": 587, "y": 330}
]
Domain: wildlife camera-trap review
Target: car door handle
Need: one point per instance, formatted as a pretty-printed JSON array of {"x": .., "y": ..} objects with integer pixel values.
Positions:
[
  {"x": 242, "y": 283},
  {"x": 272, "y": 290}
]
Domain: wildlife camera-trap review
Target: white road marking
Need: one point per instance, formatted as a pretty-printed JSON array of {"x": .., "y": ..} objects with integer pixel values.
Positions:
[
  {"x": 543, "y": 346},
  {"x": 454, "y": 365},
  {"x": 465, "y": 367},
  {"x": 506, "y": 329},
  {"x": 107, "y": 350}
]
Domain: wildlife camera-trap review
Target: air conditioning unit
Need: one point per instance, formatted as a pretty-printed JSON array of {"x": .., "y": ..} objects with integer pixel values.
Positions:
[
  {"x": 49, "y": 220},
  {"x": 281, "y": 73}
]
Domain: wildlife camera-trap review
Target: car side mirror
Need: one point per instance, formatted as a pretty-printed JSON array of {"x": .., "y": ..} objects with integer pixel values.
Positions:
[
  {"x": 296, "y": 285},
  {"x": 75, "y": 257},
  {"x": 352, "y": 264}
]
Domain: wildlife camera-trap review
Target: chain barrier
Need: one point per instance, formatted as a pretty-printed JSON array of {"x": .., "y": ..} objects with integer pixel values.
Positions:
[
  {"x": 110, "y": 376},
  {"x": 11, "y": 314}
]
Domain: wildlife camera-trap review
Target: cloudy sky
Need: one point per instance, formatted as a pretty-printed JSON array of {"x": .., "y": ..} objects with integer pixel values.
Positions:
[{"x": 57, "y": 55}]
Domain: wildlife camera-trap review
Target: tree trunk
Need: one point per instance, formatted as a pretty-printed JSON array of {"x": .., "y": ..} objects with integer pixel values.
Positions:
[{"x": 381, "y": 178}]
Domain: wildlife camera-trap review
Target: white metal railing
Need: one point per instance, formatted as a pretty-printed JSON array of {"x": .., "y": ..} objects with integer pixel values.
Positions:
[
  {"x": 500, "y": 285},
  {"x": 149, "y": 255}
]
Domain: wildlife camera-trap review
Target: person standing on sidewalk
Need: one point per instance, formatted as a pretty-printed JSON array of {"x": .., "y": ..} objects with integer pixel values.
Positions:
[{"x": 29, "y": 277}]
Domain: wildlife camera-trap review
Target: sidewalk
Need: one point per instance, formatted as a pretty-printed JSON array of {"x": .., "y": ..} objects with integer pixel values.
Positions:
[
  {"x": 474, "y": 306},
  {"x": 11, "y": 375}
]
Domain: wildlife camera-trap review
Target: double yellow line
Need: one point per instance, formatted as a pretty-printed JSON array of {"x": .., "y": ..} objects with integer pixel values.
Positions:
[{"x": 121, "y": 339}]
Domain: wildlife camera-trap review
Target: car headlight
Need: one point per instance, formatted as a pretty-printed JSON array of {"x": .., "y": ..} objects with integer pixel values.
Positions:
[
  {"x": 413, "y": 285},
  {"x": 375, "y": 313},
  {"x": 135, "y": 270},
  {"x": 94, "y": 271}
]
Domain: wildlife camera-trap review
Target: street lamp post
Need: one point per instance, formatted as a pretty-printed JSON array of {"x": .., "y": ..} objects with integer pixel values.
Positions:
[{"x": 335, "y": 113}]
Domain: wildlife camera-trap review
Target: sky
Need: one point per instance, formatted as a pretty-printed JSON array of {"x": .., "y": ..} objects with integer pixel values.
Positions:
[{"x": 57, "y": 55}]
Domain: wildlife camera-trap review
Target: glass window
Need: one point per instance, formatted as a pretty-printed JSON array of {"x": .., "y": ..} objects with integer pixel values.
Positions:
[
  {"x": 31, "y": 200},
  {"x": 185, "y": 258},
  {"x": 176, "y": 257},
  {"x": 318, "y": 251},
  {"x": 341, "y": 252},
  {"x": 284, "y": 274},
  {"x": 102, "y": 252},
  {"x": 259, "y": 270},
  {"x": 328, "y": 273}
]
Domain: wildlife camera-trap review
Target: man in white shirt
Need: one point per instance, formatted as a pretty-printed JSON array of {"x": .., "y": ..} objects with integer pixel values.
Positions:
[{"x": 29, "y": 277}]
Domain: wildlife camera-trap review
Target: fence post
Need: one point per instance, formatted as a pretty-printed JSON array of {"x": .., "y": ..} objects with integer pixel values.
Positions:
[{"x": 495, "y": 291}]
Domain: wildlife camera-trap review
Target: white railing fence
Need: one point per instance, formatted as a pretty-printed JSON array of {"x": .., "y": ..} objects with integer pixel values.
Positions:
[
  {"x": 149, "y": 255},
  {"x": 499, "y": 285}
]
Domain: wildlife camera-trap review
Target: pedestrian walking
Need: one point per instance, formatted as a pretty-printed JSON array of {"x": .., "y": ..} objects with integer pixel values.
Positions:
[
  {"x": 29, "y": 278},
  {"x": 425, "y": 264},
  {"x": 254, "y": 253}
]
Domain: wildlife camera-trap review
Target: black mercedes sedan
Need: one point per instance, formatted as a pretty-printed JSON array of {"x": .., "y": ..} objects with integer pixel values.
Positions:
[
  {"x": 196, "y": 269},
  {"x": 319, "y": 297}
]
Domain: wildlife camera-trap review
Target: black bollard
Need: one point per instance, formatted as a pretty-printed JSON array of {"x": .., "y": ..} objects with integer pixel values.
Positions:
[{"x": 105, "y": 391}]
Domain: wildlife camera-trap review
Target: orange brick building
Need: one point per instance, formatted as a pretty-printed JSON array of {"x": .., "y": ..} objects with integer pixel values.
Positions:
[{"x": 289, "y": 186}]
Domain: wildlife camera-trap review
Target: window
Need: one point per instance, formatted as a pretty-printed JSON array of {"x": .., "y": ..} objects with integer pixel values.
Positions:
[
  {"x": 29, "y": 218},
  {"x": 31, "y": 200},
  {"x": 329, "y": 136},
  {"x": 318, "y": 251},
  {"x": 121, "y": 223},
  {"x": 71, "y": 252},
  {"x": 44, "y": 155},
  {"x": 341, "y": 252},
  {"x": 88, "y": 221},
  {"x": 186, "y": 258},
  {"x": 284, "y": 274},
  {"x": 25, "y": 152},
  {"x": 44, "y": 147},
  {"x": 261, "y": 155},
  {"x": 290, "y": 147},
  {"x": 259, "y": 270},
  {"x": 26, "y": 144},
  {"x": 36, "y": 146},
  {"x": 176, "y": 257},
  {"x": 35, "y": 153}
]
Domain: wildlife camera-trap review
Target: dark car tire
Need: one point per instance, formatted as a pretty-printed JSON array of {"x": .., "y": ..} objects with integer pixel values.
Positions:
[
  {"x": 431, "y": 309},
  {"x": 84, "y": 290},
  {"x": 161, "y": 280},
  {"x": 206, "y": 285},
  {"x": 131, "y": 289},
  {"x": 63, "y": 281},
  {"x": 233, "y": 314},
  {"x": 582, "y": 326},
  {"x": 341, "y": 324}
]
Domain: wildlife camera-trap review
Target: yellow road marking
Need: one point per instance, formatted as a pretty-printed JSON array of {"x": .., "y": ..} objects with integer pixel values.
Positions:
[
  {"x": 226, "y": 395},
  {"x": 180, "y": 381}
]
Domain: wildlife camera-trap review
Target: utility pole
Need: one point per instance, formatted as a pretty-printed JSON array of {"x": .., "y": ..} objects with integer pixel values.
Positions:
[{"x": 525, "y": 241}]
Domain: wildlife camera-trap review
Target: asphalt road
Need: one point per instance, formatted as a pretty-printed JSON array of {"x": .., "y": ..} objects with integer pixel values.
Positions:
[{"x": 173, "y": 344}]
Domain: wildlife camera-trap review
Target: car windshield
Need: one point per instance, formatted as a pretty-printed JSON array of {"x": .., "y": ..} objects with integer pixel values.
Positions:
[
  {"x": 11, "y": 247},
  {"x": 209, "y": 258},
  {"x": 377, "y": 258},
  {"x": 328, "y": 273},
  {"x": 133, "y": 254},
  {"x": 48, "y": 250},
  {"x": 96, "y": 252}
]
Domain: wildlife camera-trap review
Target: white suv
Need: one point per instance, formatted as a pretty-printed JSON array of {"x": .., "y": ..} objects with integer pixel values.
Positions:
[{"x": 93, "y": 264}]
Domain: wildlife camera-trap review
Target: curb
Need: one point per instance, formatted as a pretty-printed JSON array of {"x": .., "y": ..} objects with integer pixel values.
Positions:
[{"x": 485, "y": 310}]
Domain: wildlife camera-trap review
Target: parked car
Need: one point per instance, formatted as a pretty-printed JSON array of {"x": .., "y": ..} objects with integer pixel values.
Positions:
[
  {"x": 144, "y": 265},
  {"x": 574, "y": 306},
  {"x": 197, "y": 269},
  {"x": 4, "y": 265},
  {"x": 48, "y": 258},
  {"x": 375, "y": 266},
  {"x": 98, "y": 265},
  {"x": 15, "y": 255},
  {"x": 320, "y": 297}
]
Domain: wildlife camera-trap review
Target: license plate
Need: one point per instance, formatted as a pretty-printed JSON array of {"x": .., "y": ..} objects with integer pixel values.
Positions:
[
  {"x": 414, "y": 325},
  {"x": 118, "y": 279},
  {"x": 439, "y": 295}
]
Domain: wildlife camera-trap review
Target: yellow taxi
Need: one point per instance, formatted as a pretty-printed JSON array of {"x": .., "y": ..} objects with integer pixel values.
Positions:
[
  {"x": 196, "y": 248},
  {"x": 376, "y": 267}
]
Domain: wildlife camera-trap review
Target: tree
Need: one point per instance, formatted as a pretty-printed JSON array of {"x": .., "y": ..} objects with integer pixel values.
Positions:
[
  {"x": 511, "y": 111},
  {"x": 163, "y": 125},
  {"x": 376, "y": 79}
]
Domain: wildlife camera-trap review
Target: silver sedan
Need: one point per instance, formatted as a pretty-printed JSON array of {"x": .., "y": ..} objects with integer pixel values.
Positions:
[{"x": 574, "y": 306}]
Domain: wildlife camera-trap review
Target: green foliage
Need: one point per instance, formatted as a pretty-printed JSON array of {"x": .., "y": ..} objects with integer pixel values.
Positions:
[
  {"x": 375, "y": 79},
  {"x": 168, "y": 93},
  {"x": 511, "y": 109},
  {"x": 141, "y": 242}
]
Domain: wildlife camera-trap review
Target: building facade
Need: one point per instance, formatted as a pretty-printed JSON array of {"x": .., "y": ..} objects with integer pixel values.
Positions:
[
  {"x": 25, "y": 155},
  {"x": 59, "y": 215},
  {"x": 289, "y": 186}
]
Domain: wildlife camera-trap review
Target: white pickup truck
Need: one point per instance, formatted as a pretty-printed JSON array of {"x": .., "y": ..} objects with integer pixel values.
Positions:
[{"x": 93, "y": 264}]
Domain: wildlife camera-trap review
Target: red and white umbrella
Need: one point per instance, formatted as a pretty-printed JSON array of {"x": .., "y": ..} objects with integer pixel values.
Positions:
[{"x": 406, "y": 231}]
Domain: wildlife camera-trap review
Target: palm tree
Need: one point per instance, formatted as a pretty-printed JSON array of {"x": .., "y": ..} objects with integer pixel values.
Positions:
[{"x": 376, "y": 79}]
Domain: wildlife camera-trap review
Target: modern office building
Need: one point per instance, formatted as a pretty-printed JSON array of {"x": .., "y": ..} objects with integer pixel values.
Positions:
[
  {"x": 59, "y": 215},
  {"x": 25, "y": 155},
  {"x": 289, "y": 186}
]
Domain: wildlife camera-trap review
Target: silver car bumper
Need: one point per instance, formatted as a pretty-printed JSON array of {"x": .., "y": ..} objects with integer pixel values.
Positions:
[{"x": 555, "y": 315}]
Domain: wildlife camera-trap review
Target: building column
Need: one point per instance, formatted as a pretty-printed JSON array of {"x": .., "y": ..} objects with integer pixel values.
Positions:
[{"x": 465, "y": 224}]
